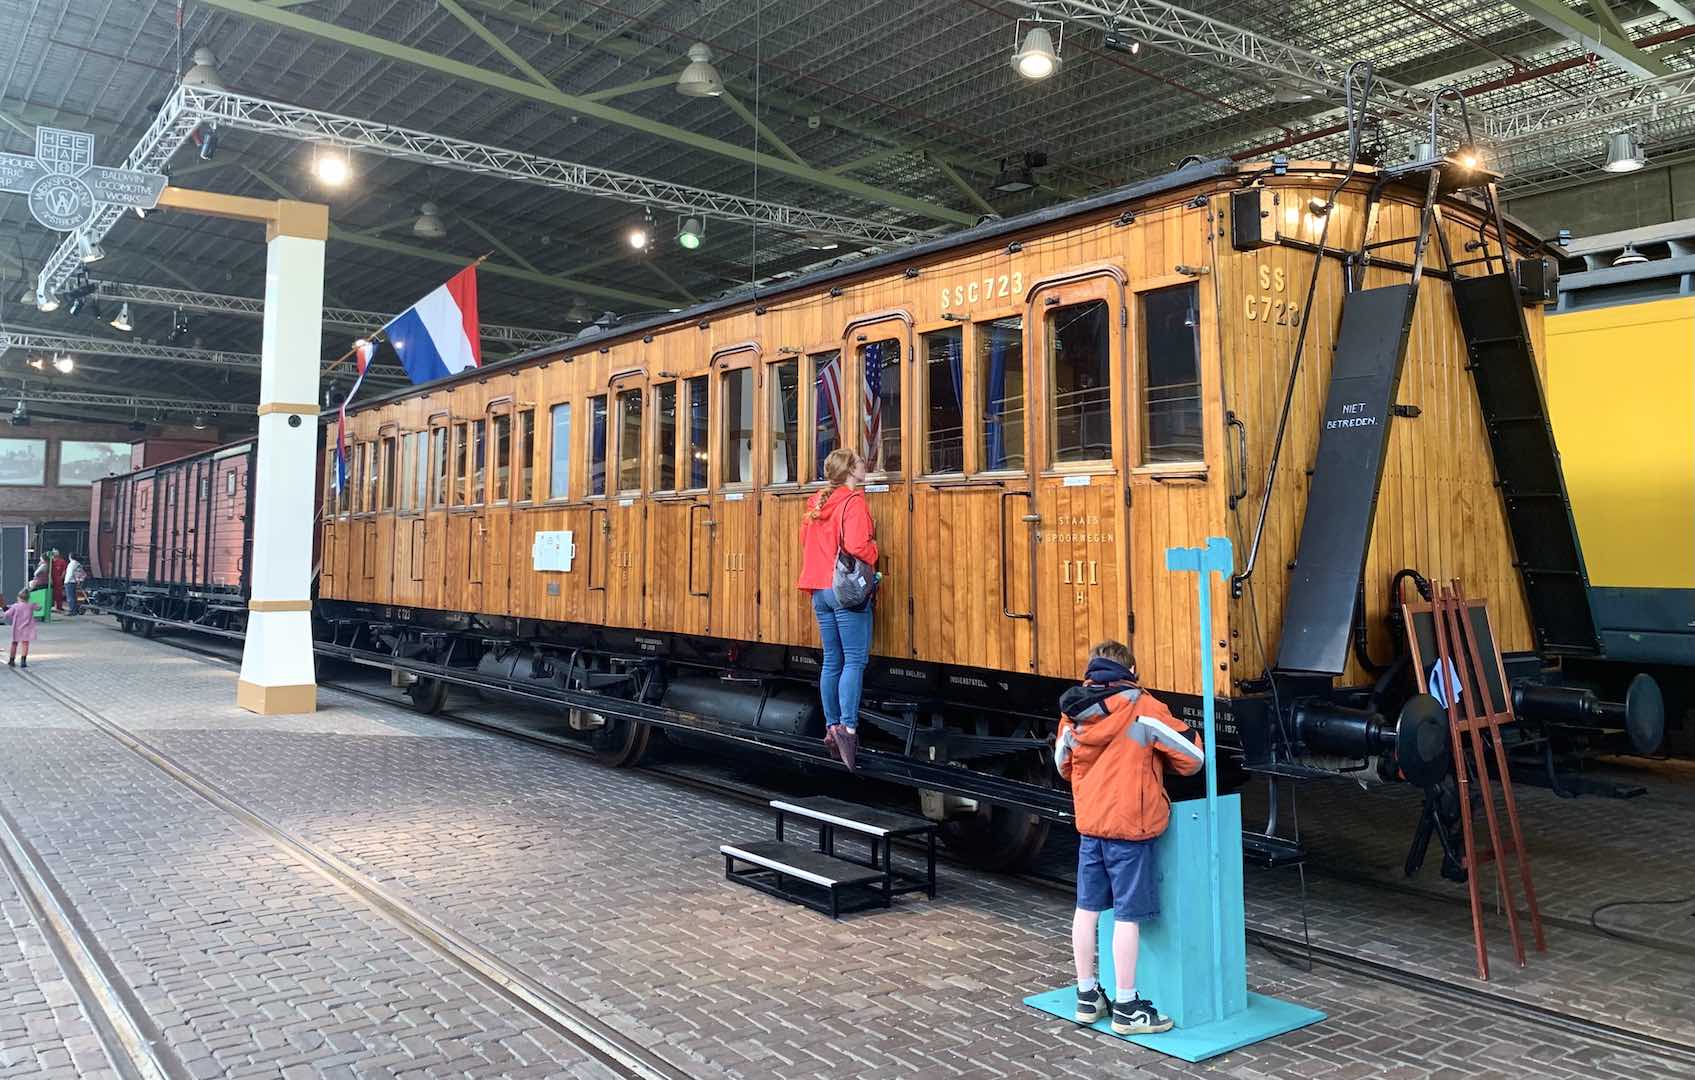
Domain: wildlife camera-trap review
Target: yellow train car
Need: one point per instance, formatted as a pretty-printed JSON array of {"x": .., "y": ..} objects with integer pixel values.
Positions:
[
  {"x": 1334, "y": 365},
  {"x": 1621, "y": 393}
]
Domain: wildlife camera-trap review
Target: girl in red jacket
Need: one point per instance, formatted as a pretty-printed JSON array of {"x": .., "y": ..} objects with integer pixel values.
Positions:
[{"x": 838, "y": 520}]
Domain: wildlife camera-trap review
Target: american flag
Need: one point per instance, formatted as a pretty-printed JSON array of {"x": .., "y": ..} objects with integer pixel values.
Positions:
[
  {"x": 830, "y": 391},
  {"x": 873, "y": 404}
]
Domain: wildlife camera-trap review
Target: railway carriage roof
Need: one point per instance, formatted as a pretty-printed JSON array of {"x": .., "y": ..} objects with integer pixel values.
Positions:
[{"x": 1187, "y": 176}]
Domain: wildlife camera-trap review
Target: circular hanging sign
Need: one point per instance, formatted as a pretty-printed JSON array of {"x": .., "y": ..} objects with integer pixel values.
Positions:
[{"x": 61, "y": 202}]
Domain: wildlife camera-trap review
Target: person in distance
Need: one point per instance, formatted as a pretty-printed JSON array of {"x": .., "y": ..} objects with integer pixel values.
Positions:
[
  {"x": 1115, "y": 742},
  {"x": 22, "y": 617},
  {"x": 837, "y": 525}
]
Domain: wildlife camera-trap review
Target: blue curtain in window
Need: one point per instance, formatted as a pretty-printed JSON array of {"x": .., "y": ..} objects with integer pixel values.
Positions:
[{"x": 994, "y": 428}]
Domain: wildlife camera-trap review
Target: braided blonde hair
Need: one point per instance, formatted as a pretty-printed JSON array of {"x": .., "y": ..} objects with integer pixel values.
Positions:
[{"x": 838, "y": 468}]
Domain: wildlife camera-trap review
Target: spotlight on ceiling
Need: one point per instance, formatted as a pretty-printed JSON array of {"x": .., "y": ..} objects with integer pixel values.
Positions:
[
  {"x": 39, "y": 363},
  {"x": 1038, "y": 58},
  {"x": 122, "y": 321},
  {"x": 91, "y": 251},
  {"x": 637, "y": 237},
  {"x": 199, "y": 422},
  {"x": 1624, "y": 153},
  {"x": 20, "y": 415},
  {"x": 1285, "y": 93},
  {"x": 429, "y": 224},
  {"x": 1117, "y": 42},
  {"x": 1630, "y": 256},
  {"x": 46, "y": 302},
  {"x": 136, "y": 426},
  {"x": 1468, "y": 157},
  {"x": 579, "y": 311},
  {"x": 204, "y": 72},
  {"x": 690, "y": 233},
  {"x": 331, "y": 165},
  {"x": 179, "y": 326},
  {"x": 1021, "y": 177},
  {"x": 821, "y": 242},
  {"x": 76, "y": 305},
  {"x": 64, "y": 363},
  {"x": 700, "y": 78}
]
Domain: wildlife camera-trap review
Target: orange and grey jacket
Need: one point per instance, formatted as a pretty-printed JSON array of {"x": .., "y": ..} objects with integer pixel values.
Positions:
[{"x": 1115, "y": 752}]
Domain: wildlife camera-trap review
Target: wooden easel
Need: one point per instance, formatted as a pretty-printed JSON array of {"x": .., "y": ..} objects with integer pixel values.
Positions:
[{"x": 1484, "y": 703}]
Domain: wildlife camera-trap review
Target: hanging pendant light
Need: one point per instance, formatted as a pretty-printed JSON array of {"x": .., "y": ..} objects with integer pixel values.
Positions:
[
  {"x": 1038, "y": 59},
  {"x": 204, "y": 72},
  {"x": 1630, "y": 256},
  {"x": 121, "y": 321},
  {"x": 429, "y": 224},
  {"x": 700, "y": 78},
  {"x": 91, "y": 251},
  {"x": 1624, "y": 153}
]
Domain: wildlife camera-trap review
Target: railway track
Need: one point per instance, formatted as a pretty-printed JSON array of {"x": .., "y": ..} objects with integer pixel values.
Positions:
[
  {"x": 1279, "y": 943},
  {"x": 135, "y": 1046}
]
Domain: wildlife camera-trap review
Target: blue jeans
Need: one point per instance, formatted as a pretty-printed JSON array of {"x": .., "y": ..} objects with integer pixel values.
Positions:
[
  {"x": 847, "y": 645},
  {"x": 70, "y": 599}
]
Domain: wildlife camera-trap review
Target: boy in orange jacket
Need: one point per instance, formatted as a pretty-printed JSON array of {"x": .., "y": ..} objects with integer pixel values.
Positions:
[{"x": 1115, "y": 742}]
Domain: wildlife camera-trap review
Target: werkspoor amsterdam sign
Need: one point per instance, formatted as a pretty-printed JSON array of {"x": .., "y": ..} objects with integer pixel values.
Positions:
[{"x": 64, "y": 185}]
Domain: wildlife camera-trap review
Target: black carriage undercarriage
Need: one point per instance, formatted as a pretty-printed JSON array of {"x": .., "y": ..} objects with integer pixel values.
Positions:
[{"x": 974, "y": 743}]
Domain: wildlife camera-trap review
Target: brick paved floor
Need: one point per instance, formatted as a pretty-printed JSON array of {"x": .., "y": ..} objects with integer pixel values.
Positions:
[{"x": 607, "y": 885}]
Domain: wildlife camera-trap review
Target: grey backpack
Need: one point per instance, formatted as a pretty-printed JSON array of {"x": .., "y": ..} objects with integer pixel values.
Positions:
[{"x": 854, "y": 581}]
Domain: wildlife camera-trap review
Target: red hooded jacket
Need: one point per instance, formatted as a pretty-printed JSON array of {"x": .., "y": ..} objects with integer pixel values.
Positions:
[{"x": 845, "y": 515}]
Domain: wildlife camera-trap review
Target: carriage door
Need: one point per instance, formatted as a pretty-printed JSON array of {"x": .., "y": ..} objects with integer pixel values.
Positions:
[
  {"x": 495, "y": 530},
  {"x": 735, "y": 503},
  {"x": 439, "y": 459},
  {"x": 679, "y": 550},
  {"x": 1075, "y": 336},
  {"x": 1168, "y": 472},
  {"x": 627, "y": 511},
  {"x": 877, "y": 351},
  {"x": 972, "y": 498}
]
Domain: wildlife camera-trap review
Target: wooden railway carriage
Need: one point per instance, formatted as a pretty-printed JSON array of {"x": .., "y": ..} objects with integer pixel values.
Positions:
[{"x": 1047, "y": 403}]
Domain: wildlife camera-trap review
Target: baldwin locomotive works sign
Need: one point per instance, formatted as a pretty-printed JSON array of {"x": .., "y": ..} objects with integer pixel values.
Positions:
[{"x": 64, "y": 185}]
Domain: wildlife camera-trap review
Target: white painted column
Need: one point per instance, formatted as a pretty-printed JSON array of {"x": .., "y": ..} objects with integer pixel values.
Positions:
[{"x": 277, "y": 672}]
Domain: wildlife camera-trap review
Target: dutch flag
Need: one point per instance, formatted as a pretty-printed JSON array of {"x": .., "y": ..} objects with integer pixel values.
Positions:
[{"x": 439, "y": 336}]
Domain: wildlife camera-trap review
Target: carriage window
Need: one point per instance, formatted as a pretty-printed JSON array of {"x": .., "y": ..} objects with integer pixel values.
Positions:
[
  {"x": 438, "y": 458},
  {"x": 784, "y": 389},
  {"x": 630, "y": 440},
  {"x": 881, "y": 363},
  {"x": 390, "y": 479},
  {"x": 502, "y": 423},
  {"x": 559, "y": 461},
  {"x": 738, "y": 427},
  {"x": 944, "y": 401},
  {"x": 597, "y": 445},
  {"x": 420, "y": 468},
  {"x": 827, "y": 398},
  {"x": 1000, "y": 381},
  {"x": 461, "y": 444},
  {"x": 1079, "y": 382},
  {"x": 1171, "y": 363},
  {"x": 526, "y": 455},
  {"x": 368, "y": 455},
  {"x": 698, "y": 454},
  {"x": 665, "y": 438},
  {"x": 479, "y": 462}
]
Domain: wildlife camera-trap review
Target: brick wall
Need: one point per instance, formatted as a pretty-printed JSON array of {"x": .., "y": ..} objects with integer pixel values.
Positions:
[{"x": 50, "y": 502}]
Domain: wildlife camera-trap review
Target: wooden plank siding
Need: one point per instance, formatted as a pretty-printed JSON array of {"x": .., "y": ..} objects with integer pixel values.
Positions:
[{"x": 961, "y": 557}]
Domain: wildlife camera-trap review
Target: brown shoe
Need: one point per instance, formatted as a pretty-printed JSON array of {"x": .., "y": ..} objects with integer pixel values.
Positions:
[
  {"x": 847, "y": 745},
  {"x": 830, "y": 743}
]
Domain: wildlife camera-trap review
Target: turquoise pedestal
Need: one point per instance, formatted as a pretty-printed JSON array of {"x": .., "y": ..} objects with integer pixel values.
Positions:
[{"x": 1203, "y": 989}]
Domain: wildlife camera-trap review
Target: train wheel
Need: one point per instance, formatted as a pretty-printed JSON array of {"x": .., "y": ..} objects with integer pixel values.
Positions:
[
  {"x": 428, "y": 695},
  {"x": 997, "y": 837},
  {"x": 618, "y": 743}
]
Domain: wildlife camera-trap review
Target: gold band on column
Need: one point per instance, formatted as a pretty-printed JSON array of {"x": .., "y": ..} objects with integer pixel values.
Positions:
[
  {"x": 287, "y": 407},
  {"x": 276, "y": 700},
  {"x": 279, "y": 605}
]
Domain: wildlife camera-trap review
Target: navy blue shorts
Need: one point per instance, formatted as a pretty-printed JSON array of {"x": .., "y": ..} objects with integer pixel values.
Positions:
[{"x": 1118, "y": 874}]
